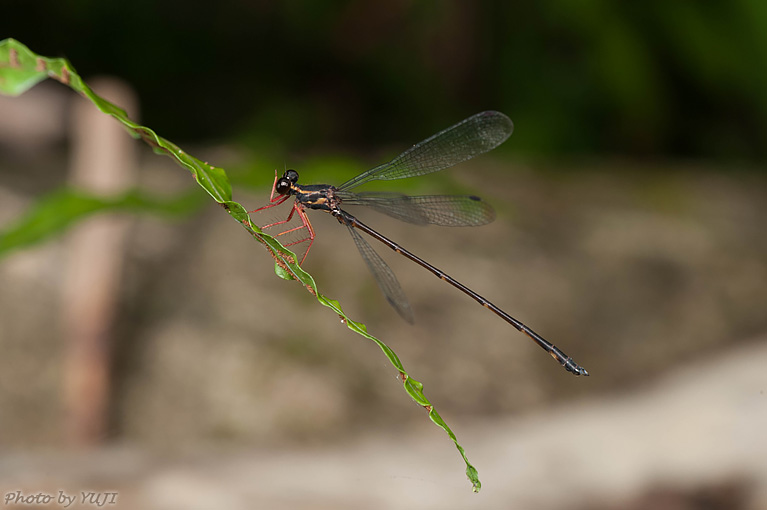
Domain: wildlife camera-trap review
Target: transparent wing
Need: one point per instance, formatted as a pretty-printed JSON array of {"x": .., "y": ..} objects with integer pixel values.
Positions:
[
  {"x": 444, "y": 210},
  {"x": 384, "y": 276},
  {"x": 470, "y": 137}
]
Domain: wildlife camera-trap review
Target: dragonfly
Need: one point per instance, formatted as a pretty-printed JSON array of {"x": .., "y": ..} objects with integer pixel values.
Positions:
[{"x": 471, "y": 137}]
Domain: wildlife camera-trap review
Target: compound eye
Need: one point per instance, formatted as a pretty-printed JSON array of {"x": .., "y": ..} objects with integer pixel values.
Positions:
[
  {"x": 291, "y": 175},
  {"x": 283, "y": 186}
]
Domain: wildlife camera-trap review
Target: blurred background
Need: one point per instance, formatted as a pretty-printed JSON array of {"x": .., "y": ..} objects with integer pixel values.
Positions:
[{"x": 158, "y": 356}]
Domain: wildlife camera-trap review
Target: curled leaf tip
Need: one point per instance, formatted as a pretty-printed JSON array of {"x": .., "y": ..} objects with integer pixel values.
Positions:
[{"x": 471, "y": 473}]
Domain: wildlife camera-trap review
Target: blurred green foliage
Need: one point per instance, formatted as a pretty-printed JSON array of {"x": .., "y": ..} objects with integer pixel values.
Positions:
[
  {"x": 579, "y": 77},
  {"x": 54, "y": 213}
]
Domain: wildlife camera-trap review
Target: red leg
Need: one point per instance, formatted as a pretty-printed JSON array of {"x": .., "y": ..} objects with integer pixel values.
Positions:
[
  {"x": 290, "y": 216},
  {"x": 309, "y": 228},
  {"x": 305, "y": 223},
  {"x": 289, "y": 231},
  {"x": 273, "y": 201},
  {"x": 274, "y": 185}
]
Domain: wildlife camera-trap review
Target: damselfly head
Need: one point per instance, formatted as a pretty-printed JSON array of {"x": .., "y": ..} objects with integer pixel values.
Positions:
[{"x": 289, "y": 178}]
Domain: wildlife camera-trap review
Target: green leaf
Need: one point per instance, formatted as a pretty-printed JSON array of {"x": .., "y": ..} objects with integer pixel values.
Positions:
[
  {"x": 285, "y": 275},
  {"x": 26, "y": 71},
  {"x": 21, "y": 69}
]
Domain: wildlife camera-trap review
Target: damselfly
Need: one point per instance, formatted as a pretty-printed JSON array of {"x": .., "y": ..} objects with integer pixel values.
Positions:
[{"x": 469, "y": 138}]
